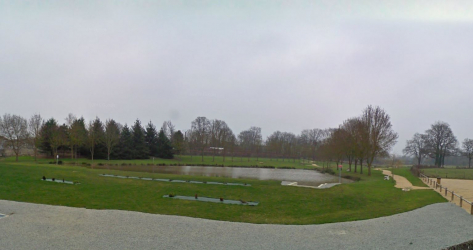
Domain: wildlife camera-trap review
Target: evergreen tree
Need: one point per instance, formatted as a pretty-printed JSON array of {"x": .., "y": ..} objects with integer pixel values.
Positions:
[
  {"x": 125, "y": 144},
  {"x": 151, "y": 138},
  {"x": 45, "y": 133},
  {"x": 139, "y": 148},
  {"x": 178, "y": 143},
  {"x": 164, "y": 146}
]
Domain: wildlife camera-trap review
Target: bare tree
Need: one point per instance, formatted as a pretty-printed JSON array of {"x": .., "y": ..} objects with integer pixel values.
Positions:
[
  {"x": 34, "y": 127},
  {"x": 416, "y": 147},
  {"x": 220, "y": 136},
  {"x": 111, "y": 136},
  {"x": 251, "y": 140},
  {"x": 467, "y": 150},
  {"x": 440, "y": 142},
  {"x": 310, "y": 140},
  {"x": 169, "y": 129},
  {"x": 200, "y": 133},
  {"x": 381, "y": 136},
  {"x": 14, "y": 129}
]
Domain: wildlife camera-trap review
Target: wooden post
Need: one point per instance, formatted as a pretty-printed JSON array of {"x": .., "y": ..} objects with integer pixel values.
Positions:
[
  {"x": 446, "y": 191},
  {"x": 452, "y": 195},
  {"x": 440, "y": 188},
  {"x": 461, "y": 201},
  {"x": 471, "y": 210}
]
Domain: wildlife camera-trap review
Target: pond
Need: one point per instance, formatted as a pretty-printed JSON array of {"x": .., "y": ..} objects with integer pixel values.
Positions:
[{"x": 302, "y": 177}]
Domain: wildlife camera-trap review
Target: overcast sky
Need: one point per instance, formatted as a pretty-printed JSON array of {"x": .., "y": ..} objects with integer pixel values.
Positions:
[{"x": 278, "y": 65}]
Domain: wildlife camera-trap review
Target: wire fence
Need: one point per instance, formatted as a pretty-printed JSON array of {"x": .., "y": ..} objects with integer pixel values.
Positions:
[{"x": 445, "y": 191}]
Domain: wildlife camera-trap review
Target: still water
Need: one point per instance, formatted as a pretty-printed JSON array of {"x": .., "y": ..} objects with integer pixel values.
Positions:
[{"x": 302, "y": 177}]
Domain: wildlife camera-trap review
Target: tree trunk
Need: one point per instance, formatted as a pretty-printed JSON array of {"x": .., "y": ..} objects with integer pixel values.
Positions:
[{"x": 361, "y": 166}]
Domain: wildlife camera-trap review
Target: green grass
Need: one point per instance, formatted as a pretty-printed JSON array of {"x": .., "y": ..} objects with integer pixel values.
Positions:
[
  {"x": 450, "y": 173},
  {"x": 369, "y": 198},
  {"x": 406, "y": 172}
]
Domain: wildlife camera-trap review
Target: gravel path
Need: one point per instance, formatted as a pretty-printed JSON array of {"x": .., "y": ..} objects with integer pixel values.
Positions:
[{"x": 34, "y": 226}]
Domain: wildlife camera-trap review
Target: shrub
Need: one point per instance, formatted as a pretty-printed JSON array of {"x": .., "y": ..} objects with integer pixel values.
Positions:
[{"x": 59, "y": 162}]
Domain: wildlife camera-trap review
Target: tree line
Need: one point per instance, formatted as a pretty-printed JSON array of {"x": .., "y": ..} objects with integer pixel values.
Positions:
[
  {"x": 95, "y": 139},
  {"x": 437, "y": 143},
  {"x": 358, "y": 140}
]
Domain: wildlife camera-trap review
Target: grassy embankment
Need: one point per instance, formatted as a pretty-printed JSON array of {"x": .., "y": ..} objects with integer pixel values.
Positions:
[{"x": 369, "y": 198}]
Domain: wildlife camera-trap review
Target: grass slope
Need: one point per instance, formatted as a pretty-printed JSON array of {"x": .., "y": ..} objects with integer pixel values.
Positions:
[{"x": 369, "y": 198}]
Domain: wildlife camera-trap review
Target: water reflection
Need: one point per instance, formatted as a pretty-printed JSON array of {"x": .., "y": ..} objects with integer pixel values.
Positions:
[{"x": 303, "y": 177}]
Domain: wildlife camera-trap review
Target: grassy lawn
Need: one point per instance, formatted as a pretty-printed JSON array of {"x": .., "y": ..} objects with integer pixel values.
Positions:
[
  {"x": 450, "y": 173},
  {"x": 369, "y": 198},
  {"x": 406, "y": 172}
]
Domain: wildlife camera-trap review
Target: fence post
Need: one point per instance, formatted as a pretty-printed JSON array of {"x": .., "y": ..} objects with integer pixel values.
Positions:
[
  {"x": 440, "y": 188},
  {"x": 452, "y": 195},
  {"x": 446, "y": 190},
  {"x": 461, "y": 201},
  {"x": 471, "y": 210}
]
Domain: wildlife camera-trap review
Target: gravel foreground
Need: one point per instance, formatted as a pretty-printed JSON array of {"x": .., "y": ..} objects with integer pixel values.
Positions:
[{"x": 35, "y": 226}]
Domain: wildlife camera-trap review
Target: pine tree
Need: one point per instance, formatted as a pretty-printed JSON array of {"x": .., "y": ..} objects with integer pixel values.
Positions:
[
  {"x": 151, "y": 138},
  {"x": 164, "y": 146},
  {"x": 178, "y": 143},
  {"x": 125, "y": 144},
  {"x": 139, "y": 147}
]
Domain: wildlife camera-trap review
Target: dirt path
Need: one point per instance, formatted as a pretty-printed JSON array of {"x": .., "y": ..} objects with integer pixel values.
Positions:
[
  {"x": 463, "y": 188},
  {"x": 401, "y": 181}
]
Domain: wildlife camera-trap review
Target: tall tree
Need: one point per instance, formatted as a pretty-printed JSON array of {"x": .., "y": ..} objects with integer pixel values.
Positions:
[
  {"x": 164, "y": 146},
  {"x": 200, "y": 134},
  {"x": 77, "y": 135},
  {"x": 57, "y": 138},
  {"x": 34, "y": 127},
  {"x": 416, "y": 147},
  {"x": 310, "y": 140},
  {"x": 179, "y": 143},
  {"x": 70, "y": 119},
  {"x": 111, "y": 136},
  {"x": 441, "y": 142},
  {"x": 46, "y": 132},
  {"x": 381, "y": 135},
  {"x": 151, "y": 138},
  {"x": 140, "y": 149},
  {"x": 14, "y": 129},
  {"x": 251, "y": 140},
  {"x": 169, "y": 129},
  {"x": 95, "y": 136},
  {"x": 125, "y": 144},
  {"x": 467, "y": 150}
]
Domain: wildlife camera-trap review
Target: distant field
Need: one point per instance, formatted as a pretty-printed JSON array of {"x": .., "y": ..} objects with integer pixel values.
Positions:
[
  {"x": 369, "y": 198},
  {"x": 450, "y": 173}
]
